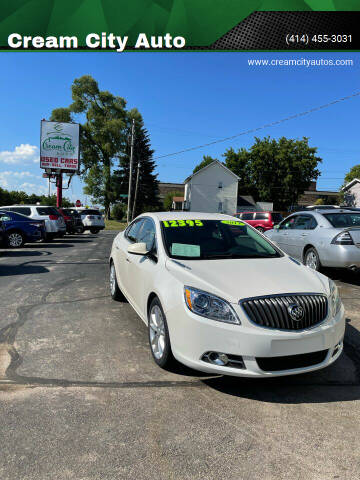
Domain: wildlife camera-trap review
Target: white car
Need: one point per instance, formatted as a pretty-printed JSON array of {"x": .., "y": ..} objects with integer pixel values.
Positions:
[
  {"x": 54, "y": 222},
  {"x": 219, "y": 297},
  {"x": 91, "y": 219}
]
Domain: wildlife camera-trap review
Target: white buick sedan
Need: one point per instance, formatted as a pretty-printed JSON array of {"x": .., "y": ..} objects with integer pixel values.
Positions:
[{"x": 219, "y": 297}]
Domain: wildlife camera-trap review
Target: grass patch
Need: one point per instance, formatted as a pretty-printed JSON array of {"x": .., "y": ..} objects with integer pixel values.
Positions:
[{"x": 115, "y": 225}]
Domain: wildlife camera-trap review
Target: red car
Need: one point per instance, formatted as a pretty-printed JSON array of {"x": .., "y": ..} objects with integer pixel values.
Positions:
[{"x": 262, "y": 221}]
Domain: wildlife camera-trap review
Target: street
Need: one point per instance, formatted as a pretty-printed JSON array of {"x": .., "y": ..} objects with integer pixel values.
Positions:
[{"x": 81, "y": 398}]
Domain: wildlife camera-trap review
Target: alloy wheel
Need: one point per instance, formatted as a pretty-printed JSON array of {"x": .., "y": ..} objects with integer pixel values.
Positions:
[
  {"x": 112, "y": 279},
  {"x": 311, "y": 260},
  {"x": 157, "y": 332},
  {"x": 15, "y": 240}
]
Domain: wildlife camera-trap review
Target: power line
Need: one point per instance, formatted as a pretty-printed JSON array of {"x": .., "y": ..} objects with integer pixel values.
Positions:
[{"x": 271, "y": 124}]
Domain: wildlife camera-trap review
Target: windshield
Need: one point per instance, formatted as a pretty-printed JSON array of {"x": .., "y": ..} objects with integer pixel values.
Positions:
[
  {"x": 211, "y": 239},
  {"x": 343, "y": 220}
]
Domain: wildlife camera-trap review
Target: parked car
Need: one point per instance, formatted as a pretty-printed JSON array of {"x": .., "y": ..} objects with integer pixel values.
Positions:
[
  {"x": 18, "y": 229},
  {"x": 91, "y": 219},
  {"x": 321, "y": 207},
  {"x": 321, "y": 238},
  {"x": 76, "y": 226},
  {"x": 54, "y": 222},
  {"x": 262, "y": 221},
  {"x": 219, "y": 297}
]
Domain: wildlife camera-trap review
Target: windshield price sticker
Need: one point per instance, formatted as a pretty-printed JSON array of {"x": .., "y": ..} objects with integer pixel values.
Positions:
[
  {"x": 183, "y": 223},
  {"x": 233, "y": 222}
]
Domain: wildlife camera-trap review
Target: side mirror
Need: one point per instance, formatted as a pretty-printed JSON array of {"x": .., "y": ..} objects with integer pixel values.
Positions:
[{"x": 138, "y": 249}]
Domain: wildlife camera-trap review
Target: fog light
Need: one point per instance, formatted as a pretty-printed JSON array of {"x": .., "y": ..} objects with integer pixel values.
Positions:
[{"x": 216, "y": 358}]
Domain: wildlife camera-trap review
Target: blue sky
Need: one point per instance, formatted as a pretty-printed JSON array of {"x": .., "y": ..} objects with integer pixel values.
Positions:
[{"x": 186, "y": 99}]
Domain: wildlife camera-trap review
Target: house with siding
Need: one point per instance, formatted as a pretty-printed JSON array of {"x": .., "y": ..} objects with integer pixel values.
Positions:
[
  {"x": 352, "y": 193},
  {"x": 213, "y": 188}
]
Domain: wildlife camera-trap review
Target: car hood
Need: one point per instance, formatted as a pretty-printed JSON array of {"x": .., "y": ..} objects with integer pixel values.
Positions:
[{"x": 234, "y": 279}]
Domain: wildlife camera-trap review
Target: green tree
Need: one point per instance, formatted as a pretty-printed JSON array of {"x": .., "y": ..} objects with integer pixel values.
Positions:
[
  {"x": 240, "y": 163},
  {"x": 168, "y": 199},
  {"x": 103, "y": 134},
  {"x": 353, "y": 173},
  {"x": 205, "y": 161},
  {"x": 277, "y": 171},
  {"x": 147, "y": 192}
]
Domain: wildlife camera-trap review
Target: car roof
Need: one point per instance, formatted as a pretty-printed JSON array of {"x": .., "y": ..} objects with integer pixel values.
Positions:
[
  {"x": 27, "y": 205},
  {"x": 320, "y": 211},
  {"x": 179, "y": 215}
]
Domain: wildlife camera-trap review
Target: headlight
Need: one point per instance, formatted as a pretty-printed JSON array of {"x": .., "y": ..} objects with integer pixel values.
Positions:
[
  {"x": 335, "y": 300},
  {"x": 209, "y": 306}
]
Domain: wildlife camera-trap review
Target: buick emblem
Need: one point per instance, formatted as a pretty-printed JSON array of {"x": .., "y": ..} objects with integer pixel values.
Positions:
[{"x": 296, "y": 312}]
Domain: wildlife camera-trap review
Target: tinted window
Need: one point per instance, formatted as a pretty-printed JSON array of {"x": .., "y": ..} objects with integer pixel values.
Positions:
[
  {"x": 211, "y": 239},
  {"x": 343, "y": 220},
  {"x": 23, "y": 210},
  {"x": 261, "y": 216},
  {"x": 146, "y": 234},
  {"x": 247, "y": 216},
  {"x": 47, "y": 211},
  {"x": 288, "y": 223},
  {"x": 302, "y": 222},
  {"x": 90, "y": 212},
  {"x": 4, "y": 217},
  {"x": 133, "y": 230}
]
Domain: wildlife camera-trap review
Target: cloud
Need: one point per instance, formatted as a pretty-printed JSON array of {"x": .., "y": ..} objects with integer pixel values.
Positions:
[
  {"x": 21, "y": 153},
  {"x": 32, "y": 188},
  {"x": 19, "y": 174}
]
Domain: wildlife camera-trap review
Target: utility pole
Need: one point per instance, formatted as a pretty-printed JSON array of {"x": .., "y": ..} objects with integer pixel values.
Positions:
[
  {"x": 131, "y": 169},
  {"x": 136, "y": 189}
]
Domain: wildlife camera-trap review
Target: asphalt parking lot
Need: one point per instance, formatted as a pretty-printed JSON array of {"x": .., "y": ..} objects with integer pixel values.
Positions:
[{"x": 81, "y": 398}]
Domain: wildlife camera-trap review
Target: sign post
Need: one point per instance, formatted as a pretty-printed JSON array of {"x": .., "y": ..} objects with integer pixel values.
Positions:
[{"x": 59, "y": 151}]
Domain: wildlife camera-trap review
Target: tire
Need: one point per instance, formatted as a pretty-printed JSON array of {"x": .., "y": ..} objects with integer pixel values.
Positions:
[
  {"x": 260, "y": 229},
  {"x": 15, "y": 239},
  {"x": 159, "y": 338},
  {"x": 79, "y": 230},
  {"x": 115, "y": 292},
  {"x": 94, "y": 230},
  {"x": 311, "y": 259}
]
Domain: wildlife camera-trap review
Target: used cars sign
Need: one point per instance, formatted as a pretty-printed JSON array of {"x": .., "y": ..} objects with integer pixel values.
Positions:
[{"x": 59, "y": 146}]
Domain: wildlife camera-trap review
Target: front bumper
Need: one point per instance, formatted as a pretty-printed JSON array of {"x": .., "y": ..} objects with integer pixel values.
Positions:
[{"x": 191, "y": 336}]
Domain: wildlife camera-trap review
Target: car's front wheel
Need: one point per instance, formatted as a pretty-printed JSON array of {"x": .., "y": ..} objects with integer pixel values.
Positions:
[
  {"x": 94, "y": 230},
  {"x": 260, "y": 229},
  {"x": 15, "y": 239},
  {"x": 116, "y": 293},
  {"x": 311, "y": 259},
  {"x": 159, "y": 338}
]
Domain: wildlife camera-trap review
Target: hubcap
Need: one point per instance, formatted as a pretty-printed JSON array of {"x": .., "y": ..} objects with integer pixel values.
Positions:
[
  {"x": 112, "y": 279},
  {"x": 15, "y": 240},
  {"x": 157, "y": 332},
  {"x": 311, "y": 260}
]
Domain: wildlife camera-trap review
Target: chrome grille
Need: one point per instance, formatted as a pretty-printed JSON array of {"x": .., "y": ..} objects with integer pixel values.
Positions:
[{"x": 272, "y": 311}]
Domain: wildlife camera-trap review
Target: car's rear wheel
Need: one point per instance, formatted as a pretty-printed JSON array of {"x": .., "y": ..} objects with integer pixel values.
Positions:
[
  {"x": 260, "y": 229},
  {"x": 15, "y": 239},
  {"x": 311, "y": 259},
  {"x": 116, "y": 293},
  {"x": 94, "y": 230},
  {"x": 159, "y": 338}
]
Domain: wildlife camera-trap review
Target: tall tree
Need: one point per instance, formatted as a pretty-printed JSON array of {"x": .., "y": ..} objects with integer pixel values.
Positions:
[
  {"x": 205, "y": 161},
  {"x": 146, "y": 193},
  {"x": 277, "y": 171},
  {"x": 103, "y": 134}
]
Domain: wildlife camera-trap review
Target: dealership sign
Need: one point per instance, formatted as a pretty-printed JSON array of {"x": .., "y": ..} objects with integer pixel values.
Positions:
[{"x": 59, "y": 146}]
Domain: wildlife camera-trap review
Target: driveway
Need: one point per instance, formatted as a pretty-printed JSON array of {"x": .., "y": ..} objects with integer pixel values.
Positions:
[{"x": 81, "y": 398}]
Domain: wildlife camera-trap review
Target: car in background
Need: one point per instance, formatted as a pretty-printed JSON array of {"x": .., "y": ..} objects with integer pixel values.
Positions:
[
  {"x": 18, "y": 229},
  {"x": 92, "y": 219},
  {"x": 219, "y": 297},
  {"x": 262, "y": 221},
  {"x": 76, "y": 226},
  {"x": 321, "y": 238},
  {"x": 321, "y": 207},
  {"x": 54, "y": 222}
]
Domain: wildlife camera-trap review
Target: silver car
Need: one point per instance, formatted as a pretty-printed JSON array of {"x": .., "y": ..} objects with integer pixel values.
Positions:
[{"x": 321, "y": 238}]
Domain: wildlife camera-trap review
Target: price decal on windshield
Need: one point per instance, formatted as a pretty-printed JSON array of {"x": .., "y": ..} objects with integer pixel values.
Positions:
[
  {"x": 233, "y": 222},
  {"x": 183, "y": 223}
]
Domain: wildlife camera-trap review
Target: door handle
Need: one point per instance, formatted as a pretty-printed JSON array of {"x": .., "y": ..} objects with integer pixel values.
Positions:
[
  {"x": 304, "y": 234},
  {"x": 127, "y": 259}
]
